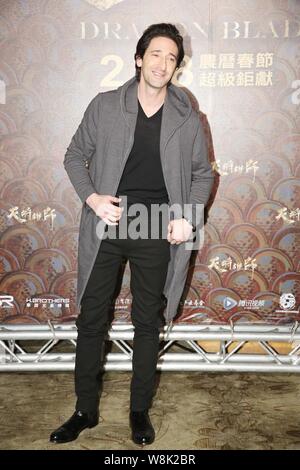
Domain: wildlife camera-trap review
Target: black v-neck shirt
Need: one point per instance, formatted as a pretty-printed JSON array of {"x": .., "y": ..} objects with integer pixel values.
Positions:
[{"x": 142, "y": 180}]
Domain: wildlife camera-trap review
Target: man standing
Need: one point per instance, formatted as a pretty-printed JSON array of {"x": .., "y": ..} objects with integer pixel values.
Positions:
[{"x": 144, "y": 142}]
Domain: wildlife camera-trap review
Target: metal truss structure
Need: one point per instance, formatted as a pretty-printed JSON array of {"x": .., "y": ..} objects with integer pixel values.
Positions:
[{"x": 185, "y": 338}]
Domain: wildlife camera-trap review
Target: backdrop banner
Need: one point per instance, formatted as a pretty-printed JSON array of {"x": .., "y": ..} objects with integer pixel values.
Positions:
[{"x": 242, "y": 73}]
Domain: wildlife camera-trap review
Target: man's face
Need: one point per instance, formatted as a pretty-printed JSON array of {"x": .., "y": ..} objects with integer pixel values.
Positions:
[{"x": 159, "y": 62}]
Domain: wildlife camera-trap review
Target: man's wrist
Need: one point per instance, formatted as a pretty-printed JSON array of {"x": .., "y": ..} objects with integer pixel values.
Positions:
[{"x": 90, "y": 200}]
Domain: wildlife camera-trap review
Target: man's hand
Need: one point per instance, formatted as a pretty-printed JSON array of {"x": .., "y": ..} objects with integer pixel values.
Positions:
[
  {"x": 104, "y": 208},
  {"x": 179, "y": 230}
]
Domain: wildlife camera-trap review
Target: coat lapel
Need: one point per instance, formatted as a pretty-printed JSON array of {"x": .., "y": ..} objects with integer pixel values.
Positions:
[
  {"x": 172, "y": 119},
  {"x": 129, "y": 103}
]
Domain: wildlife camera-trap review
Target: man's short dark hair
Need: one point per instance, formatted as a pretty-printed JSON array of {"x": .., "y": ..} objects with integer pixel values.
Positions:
[{"x": 167, "y": 30}]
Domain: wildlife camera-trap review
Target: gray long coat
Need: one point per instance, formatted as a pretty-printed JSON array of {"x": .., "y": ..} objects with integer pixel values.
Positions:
[{"x": 104, "y": 139}]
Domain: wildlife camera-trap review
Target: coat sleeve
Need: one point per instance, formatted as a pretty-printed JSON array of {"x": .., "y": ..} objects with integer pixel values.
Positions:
[
  {"x": 81, "y": 150},
  {"x": 202, "y": 173}
]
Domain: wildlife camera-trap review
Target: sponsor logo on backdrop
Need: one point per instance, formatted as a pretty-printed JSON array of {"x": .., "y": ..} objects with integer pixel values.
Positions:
[
  {"x": 229, "y": 303},
  {"x": 44, "y": 302},
  {"x": 287, "y": 302},
  {"x": 190, "y": 303},
  {"x": 6, "y": 301},
  {"x": 251, "y": 304}
]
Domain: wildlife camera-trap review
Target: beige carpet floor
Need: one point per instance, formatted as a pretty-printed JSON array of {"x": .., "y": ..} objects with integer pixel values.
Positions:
[{"x": 190, "y": 411}]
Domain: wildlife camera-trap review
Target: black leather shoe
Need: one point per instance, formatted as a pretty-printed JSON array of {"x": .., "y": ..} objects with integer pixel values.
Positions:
[
  {"x": 71, "y": 429},
  {"x": 141, "y": 427}
]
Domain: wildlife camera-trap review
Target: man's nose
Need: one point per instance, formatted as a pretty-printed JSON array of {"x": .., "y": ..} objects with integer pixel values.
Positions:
[{"x": 163, "y": 64}]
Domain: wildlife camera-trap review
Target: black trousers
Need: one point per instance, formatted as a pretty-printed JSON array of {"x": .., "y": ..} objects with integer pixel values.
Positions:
[{"x": 148, "y": 259}]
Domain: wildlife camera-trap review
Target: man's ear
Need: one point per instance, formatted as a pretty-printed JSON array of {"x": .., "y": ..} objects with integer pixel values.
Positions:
[{"x": 138, "y": 61}]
